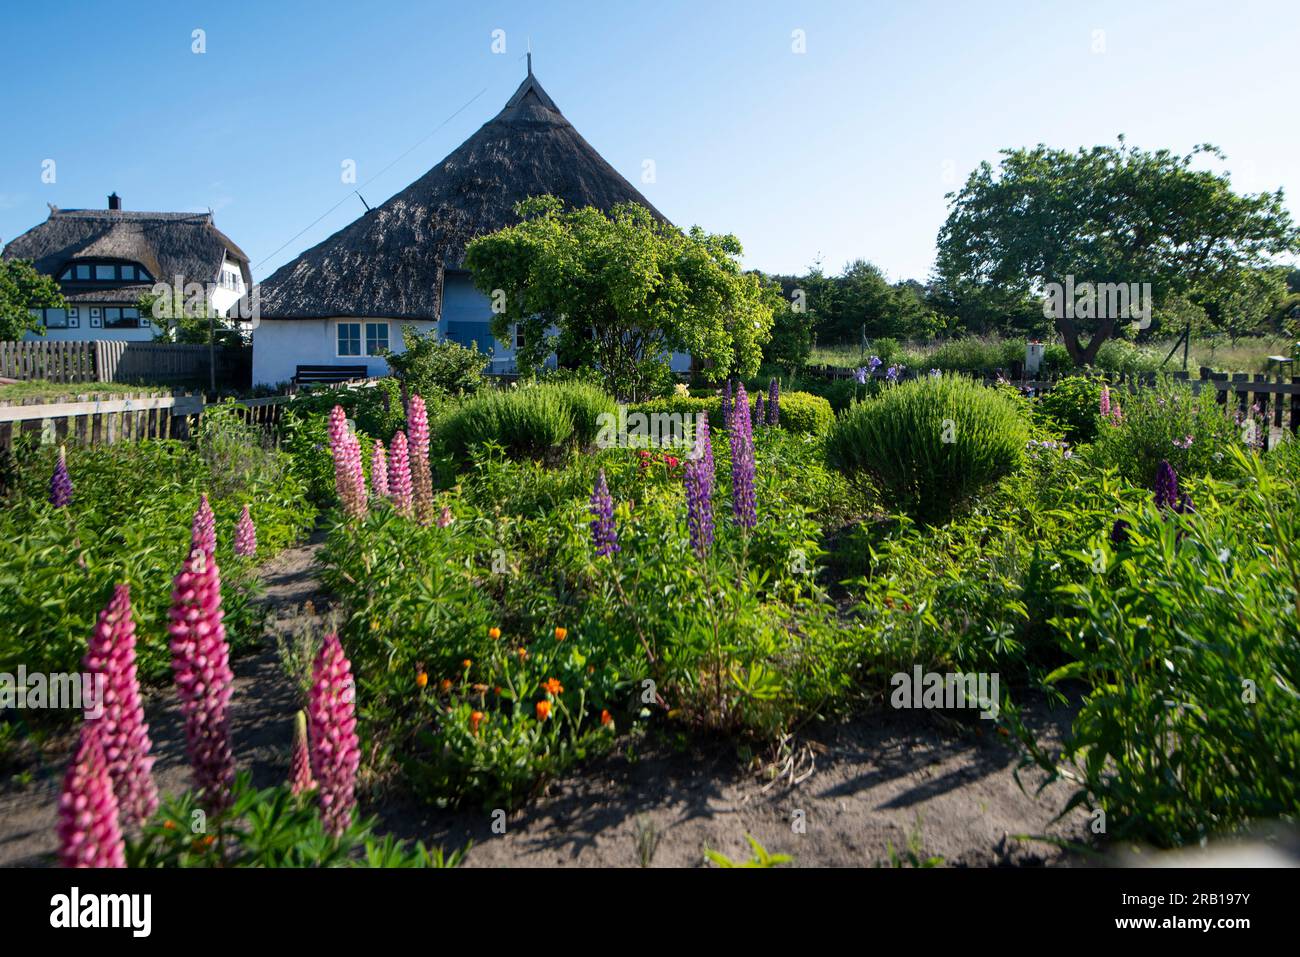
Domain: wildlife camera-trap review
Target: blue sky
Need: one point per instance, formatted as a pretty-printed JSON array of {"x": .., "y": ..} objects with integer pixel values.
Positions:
[{"x": 843, "y": 151}]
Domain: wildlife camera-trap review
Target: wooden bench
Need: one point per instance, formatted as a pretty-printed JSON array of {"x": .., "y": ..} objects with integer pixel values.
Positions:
[{"x": 307, "y": 375}]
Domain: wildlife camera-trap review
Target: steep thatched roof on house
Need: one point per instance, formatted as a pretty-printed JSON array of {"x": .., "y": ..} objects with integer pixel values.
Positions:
[
  {"x": 391, "y": 262},
  {"x": 167, "y": 244}
]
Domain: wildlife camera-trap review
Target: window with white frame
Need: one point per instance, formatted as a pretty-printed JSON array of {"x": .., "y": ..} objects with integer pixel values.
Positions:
[
  {"x": 349, "y": 338},
  {"x": 376, "y": 337},
  {"x": 352, "y": 336}
]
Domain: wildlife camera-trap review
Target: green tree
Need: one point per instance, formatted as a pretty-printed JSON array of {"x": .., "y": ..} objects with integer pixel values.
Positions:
[
  {"x": 23, "y": 289},
  {"x": 189, "y": 319},
  {"x": 624, "y": 290},
  {"x": 792, "y": 325},
  {"x": 1109, "y": 214}
]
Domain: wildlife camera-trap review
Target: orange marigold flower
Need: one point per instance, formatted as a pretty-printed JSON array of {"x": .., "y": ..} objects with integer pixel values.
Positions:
[
  {"x": 543, "y": 710},
  {"x": 494, "y": 632},
  {"x": 475, "y": 718},
  {"x": 169, "y": 825},
  {"x": 480, "y": 689},
  {"x": 561, "y": 633},
  {"x": 523, "y": 653},
  {"x": 552, "y": 686},
  {"x": 444, "y": 685},
  {"x": 606, "y": 717},
  {"x": 421, "y": 679},
  {"x": 466, "y": 663}
]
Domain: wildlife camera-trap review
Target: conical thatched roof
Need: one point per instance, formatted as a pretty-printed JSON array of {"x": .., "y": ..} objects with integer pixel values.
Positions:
[
  {"x": 390, "y": 262},
  {"x": 167, "y": 244}
]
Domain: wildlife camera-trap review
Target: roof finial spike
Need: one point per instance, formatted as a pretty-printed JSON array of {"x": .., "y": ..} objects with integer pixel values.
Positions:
[{"x": 530, "y": 55}]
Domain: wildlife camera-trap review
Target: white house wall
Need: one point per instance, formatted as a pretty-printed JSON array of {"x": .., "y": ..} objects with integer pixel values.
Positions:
[
  {"x": 281, "y": 345},
  {"x": 85, "y": 334}
]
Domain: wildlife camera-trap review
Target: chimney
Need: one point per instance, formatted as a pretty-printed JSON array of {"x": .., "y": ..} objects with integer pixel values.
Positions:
[{"x": 114, "y": 201}]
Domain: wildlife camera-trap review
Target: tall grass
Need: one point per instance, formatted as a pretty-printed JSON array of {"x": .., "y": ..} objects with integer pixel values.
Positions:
[{"x": 986, "y": 354}]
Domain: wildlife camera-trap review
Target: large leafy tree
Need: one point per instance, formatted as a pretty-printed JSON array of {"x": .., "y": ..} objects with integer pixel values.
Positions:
[
  {"x": 23, "y": 289},
  {"x": 624, "y": 289},
  {"x": 1109, "y": 214}
]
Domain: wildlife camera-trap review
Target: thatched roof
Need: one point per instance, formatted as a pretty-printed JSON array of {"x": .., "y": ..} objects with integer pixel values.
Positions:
[
  {"x": 391, "y": 262},
  {"x": 167, "y": 244}
]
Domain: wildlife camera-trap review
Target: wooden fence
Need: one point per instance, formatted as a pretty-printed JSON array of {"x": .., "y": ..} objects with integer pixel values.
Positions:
[
  {"x": 1277, "y": 397},
  {"x": 107, "y": 360},
  {"x": 99, "y": 419}
]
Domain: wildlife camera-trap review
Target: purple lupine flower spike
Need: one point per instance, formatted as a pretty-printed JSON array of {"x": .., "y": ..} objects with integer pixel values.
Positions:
[
  {"x": 245, "y": 535},
  {"x": 61, "y": 481},
  {"x": 1119, "y": 532},
  {"x": 774, "y": 402},
  {"x": 90, "y": 834},
  {"x": 604, "y": 534},
  {"x": 760, "y": 415},
  {"x": 201, "y": 665},
  {"x": 726, "y": 405},
  {"x": 699, "y": 505},
  {"x": 125, "y": 736},
  {"x": 743, "y": 507},
  {"x": 1166, "y": 485},
  {"x": 335, "y": 750}
]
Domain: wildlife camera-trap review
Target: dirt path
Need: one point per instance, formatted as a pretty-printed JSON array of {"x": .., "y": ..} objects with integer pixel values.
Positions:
[
  {"x": 877, "y": 779},
  {"x": 261, "y": 718}
]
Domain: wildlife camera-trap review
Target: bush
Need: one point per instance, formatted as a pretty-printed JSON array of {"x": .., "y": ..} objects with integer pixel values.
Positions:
[
  {"x": 1056, "y": 359},
  {"x": 805, "y": 414},
  {"x": 1122, "y": 356},
  {"x": 1072, "y": 408},
  {"x": 531, "y": 422},
  {"x": 931, "y": 443},
  {"x": 586, "y": 404},
  {"x": 687, "y": 406},
  {"x": 430, "y": 366},
  {"x": 376, "y": 409},
  {"x": 1157, "y": 424}
]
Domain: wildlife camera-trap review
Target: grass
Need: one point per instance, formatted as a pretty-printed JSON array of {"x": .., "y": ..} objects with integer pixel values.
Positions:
[
  {"x": 41, "y": 389},
  {"x": 1247, "y": 355}
]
